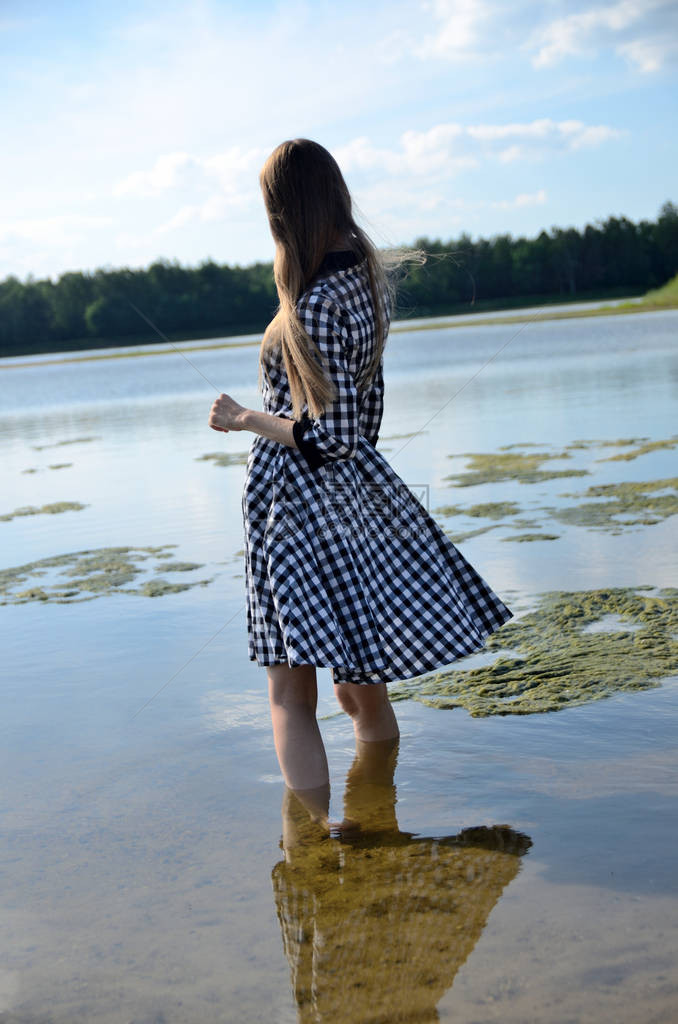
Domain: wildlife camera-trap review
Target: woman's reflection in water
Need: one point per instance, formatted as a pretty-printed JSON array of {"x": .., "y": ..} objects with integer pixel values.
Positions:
[{"x": 375, "y": 921}]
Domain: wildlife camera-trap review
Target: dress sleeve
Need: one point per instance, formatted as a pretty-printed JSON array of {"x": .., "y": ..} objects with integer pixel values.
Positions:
[
  {"x": 373, "y": 405},
  {"x": 334, "y": 434}
]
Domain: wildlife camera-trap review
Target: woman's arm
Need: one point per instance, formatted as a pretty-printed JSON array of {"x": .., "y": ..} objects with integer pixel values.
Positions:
[
  {"x": 335, "y": 434},
  {"x": 226, "y": 414}
]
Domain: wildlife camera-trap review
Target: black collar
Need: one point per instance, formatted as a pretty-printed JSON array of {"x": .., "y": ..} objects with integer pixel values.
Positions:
[{"x": 341, "y": 260}]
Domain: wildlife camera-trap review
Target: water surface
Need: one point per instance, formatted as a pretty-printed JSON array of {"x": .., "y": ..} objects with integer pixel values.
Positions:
[{"x": 143, "y": 878}]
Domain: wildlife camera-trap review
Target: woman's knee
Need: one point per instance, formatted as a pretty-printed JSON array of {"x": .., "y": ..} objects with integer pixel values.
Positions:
[
  {"x": 360, "y": 699},
  {"x": 292, "y": 686},
  {"x": 342, "y": 691}
]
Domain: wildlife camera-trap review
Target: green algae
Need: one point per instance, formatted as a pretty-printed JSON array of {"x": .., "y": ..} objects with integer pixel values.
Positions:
[
  {"x": 492, "y": 467},
  {"x": 84, "y": 575},
  {"x": 52, "y": 509},
  {"x": 591, "y": 442},
  {"x": 58, "y": 444},
  {"x": 224, "y": 458},
  {"x": 485, "y": 510},
  {"x": 532, "y": 536},
  {"x": 398, "y": 437},
  {"x": 32, "y": 594},
  {"x": 179, "y": 566},
  {"x": 650, "y": 446},
  {"x": 54, "y": 465},
  {"x": 634, "y": 500},
  {"x": 628, "y": 503},
  {"x": 557, "y": 661},
  {"x": 520, "y": 444},
  {"x": 156, "y": 588},
  {"x": 525, "y": 467},
  {"x": 459, "y": 538}
]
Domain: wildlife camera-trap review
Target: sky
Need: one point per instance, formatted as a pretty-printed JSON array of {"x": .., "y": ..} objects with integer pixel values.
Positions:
[{"x": 135, "y": 131}]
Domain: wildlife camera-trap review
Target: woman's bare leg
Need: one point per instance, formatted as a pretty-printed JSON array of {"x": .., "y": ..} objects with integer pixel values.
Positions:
[
  {"x": 293, "y": 696},
  {"x": 371, "y": 710}
]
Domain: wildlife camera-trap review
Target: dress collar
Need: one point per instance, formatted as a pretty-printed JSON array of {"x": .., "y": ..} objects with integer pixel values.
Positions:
[{"x": 340, "y": 260}]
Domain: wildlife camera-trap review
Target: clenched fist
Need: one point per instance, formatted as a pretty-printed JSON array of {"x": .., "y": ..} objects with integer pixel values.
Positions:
[{"x": 226, "y": 414}]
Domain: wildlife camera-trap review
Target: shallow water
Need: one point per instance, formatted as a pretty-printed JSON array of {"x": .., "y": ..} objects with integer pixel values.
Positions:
[{"x": 143, "y": 877}]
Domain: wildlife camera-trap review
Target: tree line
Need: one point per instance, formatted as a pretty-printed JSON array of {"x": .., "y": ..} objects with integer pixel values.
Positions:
[{"x": 85, "y": 310}]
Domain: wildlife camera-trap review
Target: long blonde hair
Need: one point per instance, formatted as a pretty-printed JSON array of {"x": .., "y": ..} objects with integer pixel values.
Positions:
[{"x": 310, "y": 211}]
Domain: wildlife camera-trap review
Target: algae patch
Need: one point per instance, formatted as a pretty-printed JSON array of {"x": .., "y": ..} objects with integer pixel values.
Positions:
[
  {"x": 626, "y": 504},
  {"x": 52, "y": 509},
  {"x": 224, "y": 458},
  {"x": 525, "y": 467},
  {"x": 485, "y": 510},
  {"x": 558, "y": 661},
  {"x": 592, "y": 442},
  {"x": 650, "y": 446},
  {"x": 156, "y": 588},
  {"x": 532, "y": 536},
  {"x": 637, "y": 501},
  {"x": 178, "y": 566},
  {"x": 84, "y": 575},
  {"x": 459, "y": 538},
  {"x": 520, "y": 444},
  {"x": 59, "y": 444},
  {"x": 398, "y": 437}
]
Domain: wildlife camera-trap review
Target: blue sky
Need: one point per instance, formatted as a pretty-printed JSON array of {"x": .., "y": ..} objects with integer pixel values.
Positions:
[{"x": 133, "y": 131}]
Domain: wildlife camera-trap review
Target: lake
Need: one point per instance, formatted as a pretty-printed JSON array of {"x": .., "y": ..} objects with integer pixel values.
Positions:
[{"x": 507, "y": 867}]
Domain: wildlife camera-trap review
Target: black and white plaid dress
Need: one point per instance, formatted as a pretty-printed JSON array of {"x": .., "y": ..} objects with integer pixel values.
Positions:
[{"x": 344, "y": 566}]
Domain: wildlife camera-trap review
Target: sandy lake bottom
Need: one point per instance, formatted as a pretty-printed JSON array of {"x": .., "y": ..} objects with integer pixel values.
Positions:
[{"x": 507, "y": 862}]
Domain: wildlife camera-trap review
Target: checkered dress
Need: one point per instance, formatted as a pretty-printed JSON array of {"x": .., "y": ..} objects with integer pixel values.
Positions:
[{"x": 344, "y": 567}]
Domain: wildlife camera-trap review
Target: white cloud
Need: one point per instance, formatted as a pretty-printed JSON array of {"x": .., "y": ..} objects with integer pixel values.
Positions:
[
  {"x": 233, "y": 172},
  {"x": 650, "y": 54},
  {"x": 418, "y": 153},
  {"x": 222, "y": 183},
  {"x": 169, "y": 171},
  {"x": 57, "y": 230},
  {"x": 234, "y": 166},
  {"x": 524, "y": 199},
  {"x": 400, "y": 213},
  {"x": 570, "y": 35},
  {"x": 136, "y": 115},
  {"x": 511, "y": 153},
  {"x": 643, "y": 31},
  {"x": 448, "y": 148},
  {"x": 579, "y": 134},
  {"x": 459, "y": 29},
  {"x": 215, "y": 208}
]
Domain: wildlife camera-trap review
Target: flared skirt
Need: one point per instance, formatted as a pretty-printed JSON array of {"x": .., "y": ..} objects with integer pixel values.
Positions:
[{"x": 345, "y": 568}]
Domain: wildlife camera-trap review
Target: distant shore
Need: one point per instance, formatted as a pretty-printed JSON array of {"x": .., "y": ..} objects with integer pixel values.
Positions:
[{"x": 654, "y": 301}]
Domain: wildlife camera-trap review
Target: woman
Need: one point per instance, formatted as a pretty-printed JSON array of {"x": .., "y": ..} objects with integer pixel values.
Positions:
[{"x": 344, "y": 566}]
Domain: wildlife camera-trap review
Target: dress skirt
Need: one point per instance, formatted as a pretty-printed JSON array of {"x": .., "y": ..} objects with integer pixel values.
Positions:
[{"x": 346, "y": 569}]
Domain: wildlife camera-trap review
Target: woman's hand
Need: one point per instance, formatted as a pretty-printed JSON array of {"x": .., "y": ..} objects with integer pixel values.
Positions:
[{"x": 226, "y": 414}]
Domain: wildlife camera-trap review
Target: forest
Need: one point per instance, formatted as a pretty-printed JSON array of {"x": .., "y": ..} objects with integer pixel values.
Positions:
[{"x": 82, "y": 310}]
